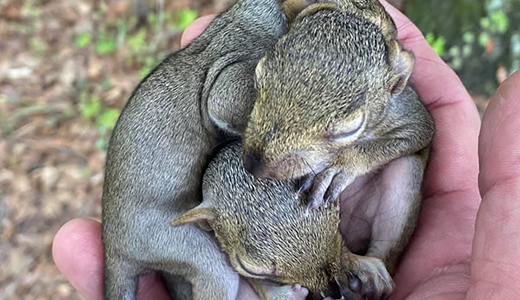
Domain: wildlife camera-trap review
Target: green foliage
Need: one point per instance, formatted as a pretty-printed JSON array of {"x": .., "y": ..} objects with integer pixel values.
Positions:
[
  {"x": 500, "y": 21},
  {"x": 179, "y": 21},
  {"x": 438, "y": 44},
  {"x": 107, "y": 120},
  {"x": 106, "y": 84},
  {"x": 468, "y": 37},
  {"x": 106, "y": 43},
  {"x": 186, "y": 17},
  {"x": 137, "y": 42},
  {"x": 37, "y": 45},
  {"x": 89, "y": 106},
  {"x": 483, "y": 39},
  {"x": 485, "y": 23},
  {"x": 93, "y": 112},
  {"x": 83, "y": 40},
  {"x": 31, "y": 9},
  {"x": 102, "y": 144},
  {"x": 150, "y": 63}
]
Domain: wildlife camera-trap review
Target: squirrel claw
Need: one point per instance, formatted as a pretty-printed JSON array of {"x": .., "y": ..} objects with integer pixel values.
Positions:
[
  {"x": 340, "y": 182},
  {"x": 305, "y": 183},
  {"x": 328, "y": 185}
]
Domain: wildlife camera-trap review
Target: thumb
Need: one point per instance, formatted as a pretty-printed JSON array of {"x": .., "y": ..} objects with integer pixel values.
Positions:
[{"x": 495, "y": 267}]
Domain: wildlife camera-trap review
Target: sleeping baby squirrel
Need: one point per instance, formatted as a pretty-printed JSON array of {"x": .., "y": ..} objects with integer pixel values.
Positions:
[
  {"x": 161, "y": 145},
  {"x": 270, "y": 237},
  {"x": 335, "y": 110}
]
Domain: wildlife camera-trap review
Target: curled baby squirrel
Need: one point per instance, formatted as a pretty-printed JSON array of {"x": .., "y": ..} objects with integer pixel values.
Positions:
[
  {"x": 335, "y": 109},
  {"x": 160, "y": 147},
  {"x": 271, "y": 238}
]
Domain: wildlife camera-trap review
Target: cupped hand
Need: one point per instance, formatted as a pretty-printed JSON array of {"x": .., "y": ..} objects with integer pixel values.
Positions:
[{"x": 455, "y": 253}]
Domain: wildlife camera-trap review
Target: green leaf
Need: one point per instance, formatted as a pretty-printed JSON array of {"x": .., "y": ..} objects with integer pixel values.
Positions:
[
  {"x": 149, "y": 64},
  {"x": 485, "y": 23},
  {"x": 101, "y": 144},
  {"x": 438, "y": 44},
  {"x": 186, "y": 17},
  {"x": 37, "y": 45},
  {"x": 137, "y": 42},
  {"x": 501, "y": 21},
  {"x": 152, "y": 19},
  {"x": 106, "y": 84},
  {"x": 91, "y": 108},
  {"x": 83, "y": 40},
  {"x": 454, "y": 51},
  {"x": 467, "y": 50},
  {"x": 107, "y": 120},
  {"x": 106, "y": 44},
  {"x": 456, "y": 63},
  {"x": 469, "y": 37},
  {"x": 483, "y": 39}
]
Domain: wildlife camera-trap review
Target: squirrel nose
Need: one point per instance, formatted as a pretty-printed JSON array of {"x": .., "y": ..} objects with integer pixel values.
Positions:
[{"x": 254, "y": 165}]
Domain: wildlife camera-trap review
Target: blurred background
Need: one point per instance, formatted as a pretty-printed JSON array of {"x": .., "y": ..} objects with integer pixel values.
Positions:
[{"x": 67, "y": 68}]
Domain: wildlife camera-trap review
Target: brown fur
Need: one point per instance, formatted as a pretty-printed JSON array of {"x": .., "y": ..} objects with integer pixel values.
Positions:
[
  {"x": 265, "y": 229},
  {"x": 334, "y": 105}
]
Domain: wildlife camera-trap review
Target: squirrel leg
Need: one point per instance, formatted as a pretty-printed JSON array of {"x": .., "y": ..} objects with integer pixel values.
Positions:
[
  {"x": 326, "y": 186},
  {"x": 395, "y": 219},
  {"x": 269, "y": 291},
  {"x": 119, "y": 282}
]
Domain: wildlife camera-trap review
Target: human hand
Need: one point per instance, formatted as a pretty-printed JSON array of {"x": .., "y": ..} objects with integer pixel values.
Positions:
[
  {"x": 455, "y": 253},
  {"x": 437, "y": 263}
]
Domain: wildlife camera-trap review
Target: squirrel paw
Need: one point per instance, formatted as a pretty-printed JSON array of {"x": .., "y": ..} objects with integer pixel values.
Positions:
[
  {"x": 326, "y": 186},
  {"x": 368, "y": 280}
]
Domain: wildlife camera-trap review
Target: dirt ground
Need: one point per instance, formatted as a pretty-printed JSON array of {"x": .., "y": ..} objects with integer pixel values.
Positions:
[{"x": 66, "y": 69}]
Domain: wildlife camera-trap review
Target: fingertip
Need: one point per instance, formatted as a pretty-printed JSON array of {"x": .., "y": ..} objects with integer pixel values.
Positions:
[
  {"x": 196, "y": 29},
  {"x": 495, "y": 262},
  {"x": 77, "y": 251},
  {"x": 499, "y": 146}
]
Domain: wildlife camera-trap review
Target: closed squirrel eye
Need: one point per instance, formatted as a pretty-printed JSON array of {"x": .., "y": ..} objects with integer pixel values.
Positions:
[{"x": 346, "y": 132}]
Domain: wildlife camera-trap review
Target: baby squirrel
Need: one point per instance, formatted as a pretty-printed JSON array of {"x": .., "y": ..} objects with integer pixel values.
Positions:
[
  {"x": 160, "y": 147},
  {"x": 264, "y": 227},
  {"x": 335, "y": 109}
]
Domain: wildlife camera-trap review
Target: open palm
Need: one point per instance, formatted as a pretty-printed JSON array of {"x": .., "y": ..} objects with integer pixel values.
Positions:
[{"x": 453, "y": 254}]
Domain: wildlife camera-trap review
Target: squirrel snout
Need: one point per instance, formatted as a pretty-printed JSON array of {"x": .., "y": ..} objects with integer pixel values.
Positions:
[{"x": 254, "y": 165}]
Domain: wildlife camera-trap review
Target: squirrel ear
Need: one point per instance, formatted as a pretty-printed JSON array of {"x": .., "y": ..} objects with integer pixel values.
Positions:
[
  {"x": 196, "y": 215},
  {"x": 402, "y": 63},
  {"x": 300, "y": 8}
]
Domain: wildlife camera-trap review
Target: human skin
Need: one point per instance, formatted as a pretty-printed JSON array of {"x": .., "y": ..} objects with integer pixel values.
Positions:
[{"x": 467, "y": 244}]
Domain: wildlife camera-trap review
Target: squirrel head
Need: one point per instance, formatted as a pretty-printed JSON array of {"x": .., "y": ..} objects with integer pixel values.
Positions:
[
  {"x": 263, "y": 225},
  {"x": 234, "y": 239},
  {"x": 320, "y": 89},
  {"x": 235, "y": 207}
]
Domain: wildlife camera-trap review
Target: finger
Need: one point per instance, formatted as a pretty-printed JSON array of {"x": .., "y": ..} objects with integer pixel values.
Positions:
[
  {"x": 453, "y": 161},
  {"x": 451, "y": 195},
  {"x": 495, "y": 268},
  {"x": 78, "y": 253},
  {"x": 195, "y": 29}
]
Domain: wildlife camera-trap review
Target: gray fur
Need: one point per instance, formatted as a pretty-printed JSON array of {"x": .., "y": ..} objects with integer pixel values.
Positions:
[{"x": 160, "y": 146}]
